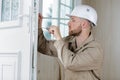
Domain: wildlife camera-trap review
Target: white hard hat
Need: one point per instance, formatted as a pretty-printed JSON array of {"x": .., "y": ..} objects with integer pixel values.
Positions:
[{"x": 86, "y": 12}]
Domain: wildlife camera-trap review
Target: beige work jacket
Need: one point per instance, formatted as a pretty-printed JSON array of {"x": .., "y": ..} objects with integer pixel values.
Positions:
[{"x": 83, "y": 62}]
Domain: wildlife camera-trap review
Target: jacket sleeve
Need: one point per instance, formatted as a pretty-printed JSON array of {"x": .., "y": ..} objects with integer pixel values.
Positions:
[
  {"x": 88, "y": 58},
  {"x": 44, "y": 46}
]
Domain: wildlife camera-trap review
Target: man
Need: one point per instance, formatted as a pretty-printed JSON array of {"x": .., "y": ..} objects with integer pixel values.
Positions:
[{"x": 80, "y": 54}]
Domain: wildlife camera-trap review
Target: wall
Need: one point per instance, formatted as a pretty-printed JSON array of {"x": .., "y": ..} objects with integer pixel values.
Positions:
[
  {"x": 49, "y": 68},
  {"x": 108, "y": 34}
]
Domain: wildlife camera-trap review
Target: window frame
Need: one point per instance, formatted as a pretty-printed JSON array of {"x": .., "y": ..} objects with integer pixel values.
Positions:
[
  {"x": 10, "y": 18},
  {"x": 11, "y": 23},
  {"x": 58, "y": 18},
  {"x": 59, "y": 14}
]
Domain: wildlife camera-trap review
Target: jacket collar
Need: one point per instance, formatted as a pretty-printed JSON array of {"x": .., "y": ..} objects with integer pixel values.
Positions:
[{"x": 87, "y": 41}]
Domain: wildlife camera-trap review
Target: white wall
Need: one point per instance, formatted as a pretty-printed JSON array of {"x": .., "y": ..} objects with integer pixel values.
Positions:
[{"x": 108, "y": 34}]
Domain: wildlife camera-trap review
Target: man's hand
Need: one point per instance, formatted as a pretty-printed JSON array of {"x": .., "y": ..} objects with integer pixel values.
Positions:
[
  {"x": 40, "y": 17},
  {"x": 55, "y": 31}
]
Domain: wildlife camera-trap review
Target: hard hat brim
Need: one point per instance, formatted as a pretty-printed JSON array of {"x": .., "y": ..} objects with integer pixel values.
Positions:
[{"x": 68, "y": 15}]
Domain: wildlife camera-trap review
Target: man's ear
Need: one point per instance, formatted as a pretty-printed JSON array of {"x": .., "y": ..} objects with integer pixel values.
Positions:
[{"x": 84, "y": 24}]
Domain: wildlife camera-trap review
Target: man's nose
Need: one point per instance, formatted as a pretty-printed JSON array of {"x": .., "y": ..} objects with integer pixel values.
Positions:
[{"x": 69, "y": 23}]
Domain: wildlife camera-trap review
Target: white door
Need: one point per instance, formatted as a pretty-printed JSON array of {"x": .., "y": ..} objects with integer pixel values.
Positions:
[{"x": 17, "y": 39}]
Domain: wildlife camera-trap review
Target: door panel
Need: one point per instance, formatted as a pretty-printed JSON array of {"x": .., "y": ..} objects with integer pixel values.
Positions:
[
  {"x": 9, "y": 66},
  {"x": 16, "y": 43}
]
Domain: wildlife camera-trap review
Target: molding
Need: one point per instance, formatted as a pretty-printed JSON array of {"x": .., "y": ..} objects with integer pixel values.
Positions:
[
  {"x": 16, "y": 54},
  {"x": 0, "y": 8},
  {"x": 9, "y": 24}
]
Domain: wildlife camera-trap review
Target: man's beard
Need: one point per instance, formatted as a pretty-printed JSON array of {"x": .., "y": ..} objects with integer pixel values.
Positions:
[{"x": 74, "y": 33}]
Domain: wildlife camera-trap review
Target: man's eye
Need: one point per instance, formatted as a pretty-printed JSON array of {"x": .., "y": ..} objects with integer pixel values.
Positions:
[{"x": 73, "y": 20}]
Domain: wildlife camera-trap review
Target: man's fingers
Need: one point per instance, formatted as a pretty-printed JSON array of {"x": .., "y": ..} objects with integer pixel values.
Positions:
[
  {"x": 40, "y": 16},
  {"x": 51, "y": 31},
  {"x": 40, "y": 20}
]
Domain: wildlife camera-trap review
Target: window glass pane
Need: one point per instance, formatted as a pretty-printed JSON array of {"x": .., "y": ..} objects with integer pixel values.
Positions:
[
  {"x": 9, "y": 10},
  {"x": 54, "y": 13},
  {"x": 14, "y": 9},
  {"x": 5, "y": 16},
  {"x": 47, "y": 34},
  {"x": 64, "y": 10},
  {"x": 63, "y": 1},
  {"x": 46, "y": 24},
  {"x": 64, "y": 27},
  {"x": 66, "y": 2},
  {"x": 50, "y": 8}
]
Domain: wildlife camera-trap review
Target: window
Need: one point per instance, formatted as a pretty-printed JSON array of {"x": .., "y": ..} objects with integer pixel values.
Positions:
[
  {"x": 8, "y": 10},
  {"x": 54, "y": 13}
]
